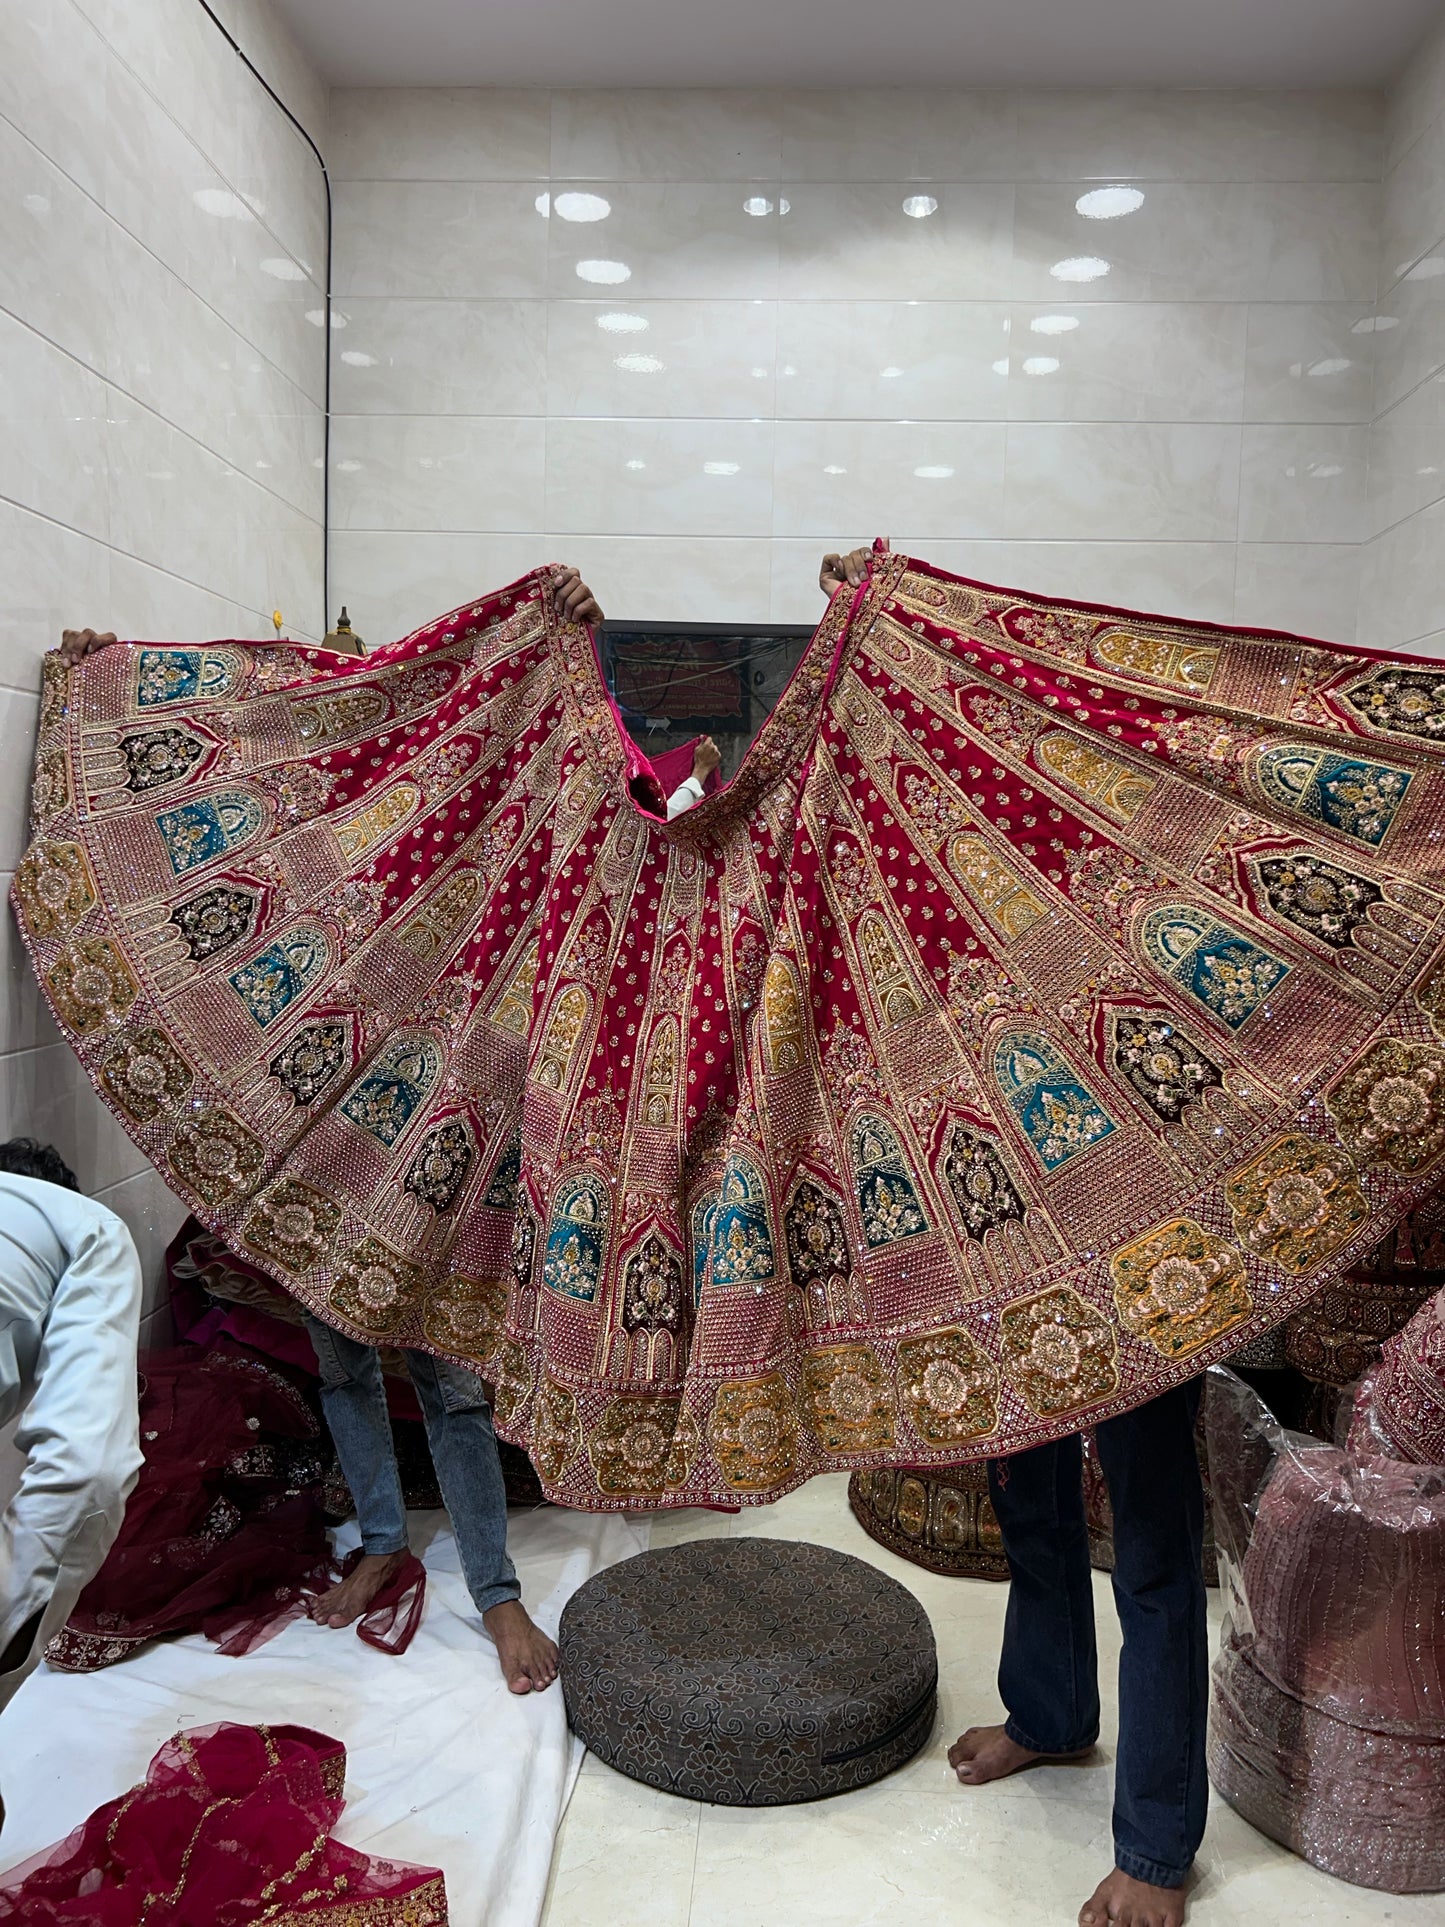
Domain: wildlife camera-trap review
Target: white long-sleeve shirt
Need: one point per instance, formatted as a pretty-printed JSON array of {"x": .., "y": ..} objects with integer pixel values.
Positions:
[
  {"x": 688, "y": 792},
  {"x": 70, "y": 1297}
]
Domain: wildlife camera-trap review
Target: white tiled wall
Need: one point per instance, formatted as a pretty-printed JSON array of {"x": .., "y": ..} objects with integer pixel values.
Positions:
[
  {"x": 686, "y": 339},
  {"x": 1403, "y": 587},
  {"x": 161, "y": 371}
]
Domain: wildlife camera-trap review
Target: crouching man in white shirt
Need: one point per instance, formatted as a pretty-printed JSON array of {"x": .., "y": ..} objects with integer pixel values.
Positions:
[{"x": 70, "y": 1296}]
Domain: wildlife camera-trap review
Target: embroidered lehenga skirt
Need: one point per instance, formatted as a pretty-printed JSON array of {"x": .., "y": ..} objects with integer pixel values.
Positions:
[{"x": 1050, "y": 1005}]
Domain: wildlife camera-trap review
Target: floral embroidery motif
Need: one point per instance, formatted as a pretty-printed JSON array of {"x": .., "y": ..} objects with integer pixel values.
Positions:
[
  {"x": 703, "y": 1214},
  {"x": 897, "y": 999},
  {"x": 91, "y": 985},
  {"x": 1431, "y": 999},
  {"x": 887, "y": 1196},
  {"x": 186, "y": 675},
  {"x": 652, "y": 1288},
  {"x": 386, "y": 1098},
  {"x": 975, "y": 1173},
  {"x": 216, "y": 920},
  {"x": 511, "y": 1373},
  {"x": 344, "y": 712},
  {"x": 1357, "y": 798},
  {"x": 439, "y": 1169},
  {"x": 466, "y": 1315},
  {"x": 50, "y": 790},
  {"x": 1162, "y": 1063},
  {"x": 197, "y": 833},
  {"x": 216, "y": 1157},
  {"x": 818, "y": 1255},
  {"x": 1179, "y": 1287},
  {"x": 556, "y": 1433},
  {"x": 1320, "y": 898},
  {"x": 524, "y": 1246},
  {"x": 55, "y": 888},
  {"x": 272, "y": 981},
  {"x": 576, "y": 1247},
  {"x": 1059, "y": 1352},
  {"x": 501, "y": 1191},
  {"x": 783, "y": 1044},
  {"x": 659, "y": 1077},
  {"x": 848, "y": 1399},
  {"x": 753, "y": 1432},
  {"x": 155, "y": 757},
  {"x": 1155, "y": 659},
  {"x": 292, "y": 1226},
  {"x": 431, "y": 929},
  {"x": 742, "y": 1237},
  {"x": 1296, "y": 1202},
  {"x": 631, "y": 1446},
  {"x": 1059, "y": 1115},
  {"x": 1402, "y": 702},
  {"x": 377, "y": 1287},
  {"x": 994, "y": 887},
  {"x": 1114, "y": 788},
  {"x": 311, "y": 1060},
  {"x": 145, "y": 1073},
  {"x": 569, "y": 1017},
  {"x": 365, "y": 828},
  {"x": 1217, "y": 966},
  {"x": 514, "y": 1012},
  {"x": 949, "y": 1387},
  {"x": 1390, "y": 1109}
]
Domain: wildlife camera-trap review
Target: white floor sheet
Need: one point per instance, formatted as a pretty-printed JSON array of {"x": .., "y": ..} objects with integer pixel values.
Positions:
[{"x": 445, "y": 1767}]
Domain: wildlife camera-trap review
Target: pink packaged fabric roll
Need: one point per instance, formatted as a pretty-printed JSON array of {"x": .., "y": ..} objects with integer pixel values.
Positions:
[{"x": 1405, "y": 1408}]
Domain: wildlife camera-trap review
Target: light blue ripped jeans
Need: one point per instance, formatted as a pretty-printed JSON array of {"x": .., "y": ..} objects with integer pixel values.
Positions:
[{"x": 463, "y": 1449}]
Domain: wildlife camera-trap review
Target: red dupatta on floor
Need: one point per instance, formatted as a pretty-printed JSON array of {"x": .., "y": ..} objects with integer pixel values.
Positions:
[{"x": 1050, "y": 1005}]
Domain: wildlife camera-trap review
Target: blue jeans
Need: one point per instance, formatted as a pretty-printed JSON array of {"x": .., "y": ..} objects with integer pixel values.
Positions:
[
  {"x": 1048, "y": 1673},
  {"x": 463, "y": 1449}
]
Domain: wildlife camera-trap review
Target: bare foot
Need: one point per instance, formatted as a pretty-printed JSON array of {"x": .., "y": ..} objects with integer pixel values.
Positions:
[
  {"x": 350, "y": 1599},
  {"x": 987, "y": 1753},
  {"x": 528, "y": 1657},
  {"x": 1122, "y": 1901}
]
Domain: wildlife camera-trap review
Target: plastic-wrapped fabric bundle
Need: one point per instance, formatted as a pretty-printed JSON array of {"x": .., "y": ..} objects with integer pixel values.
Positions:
[
  {"x": 1401, "y": 1406},
  {"x": 1327, "y": 1726}
]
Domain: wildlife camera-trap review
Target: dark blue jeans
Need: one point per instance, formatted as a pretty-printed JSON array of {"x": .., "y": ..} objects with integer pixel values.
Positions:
[
  {"x": 1048, "y": 1674},
  {"x": 463, "y": 1449}
]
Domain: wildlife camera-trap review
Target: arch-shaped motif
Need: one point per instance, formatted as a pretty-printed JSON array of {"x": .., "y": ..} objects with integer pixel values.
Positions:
[
  {"x": 272, "y": 981},
  {"x": 342, "y": 712},
  {"x": 1112, "y": 786},
  {"x": 311, "y": 1058},
  {"x": 1058, "y": 1114},
  {"x": 186, "y": 675},
  {"x": 1170, "y": 662},
  {"x": 783, "y": 1032},
  {"x": 1401, "y": 702},
  {"x": 998, "y": 891},
  {"x": 1360, "y": 799},
  {"x": 376, "y": 822},
  {"x": 820, "y": 1260},
  {"x": 216, "y": 920},
  {"x": 386, "y": 1098},
  {"x": 501, "y": 1191},
  {"x": 513, "y": 1011},
  {"x": 1322, "y": 899},
  {"x": 703, "y": 1214},
  {"x": 564, "y": 1029},
  {"x": 576, "y": 1248},
  {"x": 156, "y": 758},
  {"x": 652, "y": 1287},
  {"x": 198, "y": 832},
  {"x": 980, "y": 1183},
  {"x": 887, "y": 1195},
  {"x": 1217, "y": 965},
  {"x": 892, "y": 985},
  {"x": 742, "y": 1233},
  {"x": 659, "y": 1075},
  {"x": 439, "y": 1169},
  {"x": 1160, "y": 1062}
]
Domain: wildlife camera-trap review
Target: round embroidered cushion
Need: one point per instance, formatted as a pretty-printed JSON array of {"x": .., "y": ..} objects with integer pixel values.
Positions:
[{"x": 748, "y": 1672}]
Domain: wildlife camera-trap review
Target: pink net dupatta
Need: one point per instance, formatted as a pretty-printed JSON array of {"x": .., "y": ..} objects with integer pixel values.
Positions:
[{"x": 231, "y": 1825}]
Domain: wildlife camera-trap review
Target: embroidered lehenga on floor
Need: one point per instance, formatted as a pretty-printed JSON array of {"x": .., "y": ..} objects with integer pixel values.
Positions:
[{"x": 1050, "y": 1005}]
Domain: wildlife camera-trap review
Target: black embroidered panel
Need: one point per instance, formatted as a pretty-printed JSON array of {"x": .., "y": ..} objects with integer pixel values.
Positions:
[
  {"x": 1162, "y": 1063},
  {"x": 439, "y": 1169},
  {"x": 157, "y": 757},
  {"x": 979, "y": 1181},
  {"x": 215, "y": 920},
  {"x": 310, "y": 1061}
]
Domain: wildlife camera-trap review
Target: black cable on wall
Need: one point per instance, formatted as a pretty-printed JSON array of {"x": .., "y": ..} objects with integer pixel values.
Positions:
[{"x": 242, "y": 55}]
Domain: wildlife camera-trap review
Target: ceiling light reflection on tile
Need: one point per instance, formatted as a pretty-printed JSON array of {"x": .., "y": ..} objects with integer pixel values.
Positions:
[
  {"x": 933, "y": 472},
  {"x": 283, "y": 268},
  {"x": 1374, "y": 324},
  {"x": 608, "y": 273},
  {"x": 623, "y": 324},
  {"x": 1053, "y": 324},
  {"x": 317, "y": 318},
  {"x": 543, "y": 204},
  {"x": 635, "y": 464},
  {"x": 354, "y": 358},
  {"x": 919, "y": 206},
  {"x": 758, "y": 205},
  {"x": 1332, "y": 365},
  {"x": 721, "y": 468},
  {"x": 1041, "y": 365},
  {"x": 1108, "y": 203},
  {"x": 1000, "y": 367},
  {"x": 890, "y": 374},
  {"x": 758, "y": 374},
  {"x": 581, "y": 207},
  {"x": 833, "y": 469},
  {"x": 639, "y": 364},
  {"x": 223, "y": 204},
  {"x": 1080, "y": 267},
  {"x": 1430, "y": 269}
]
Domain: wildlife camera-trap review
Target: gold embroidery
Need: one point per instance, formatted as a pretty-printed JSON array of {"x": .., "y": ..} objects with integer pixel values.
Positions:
[
  {"x": 511, "y": 1374},
  {"x": 367, "y": 827},
  {"x": 659, "y": 1078},
  {"x": 1059, "y": 1351},
  {"x": 630, "y": 1447},
  {"x": 998, "y": 892},
  {"x": 145, "y": 1073},
  {"x": 753, "y": 1432},
  {"x": 1179, "y": 1287},
  {"x": 50, "y": 790},
  {"x": 346, "y": 712},
  {"x": 378, "y": 1288},
  {"x": 1154, "y": 659},
  {"x": 431, "y": 929},
  {"x": 216, "y": 1157},
  {"x": 292, "y": 1226},
  {"x": 1390, "y": 1109},
  {"x": 895, "y": 993},
  {"x": 55, "y": 888},
  {"x": 54, "y": 692},
  {"x": 556, "y": 1433},
  {"x": 465, "y": 1315},
  {"x": 847, "y": 1398},
  {"x": 949, "y": 1387},
  {"x": 783, "y": 1045},
  {"x": 1113, "y": 787},
  {"x": 91, "y": 985},
  {"x": 1296, "y": 1201},
  {"x": 1431, "y": 999},
  {"x": 569, "y": 1015},
  {"x": 514, "y": 1011}
]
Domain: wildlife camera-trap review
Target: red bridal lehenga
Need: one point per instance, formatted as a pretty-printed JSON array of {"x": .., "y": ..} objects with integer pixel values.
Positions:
[
  {"x": 232, "y": 1825},
  {"x": 1051, "y": 1004}
]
